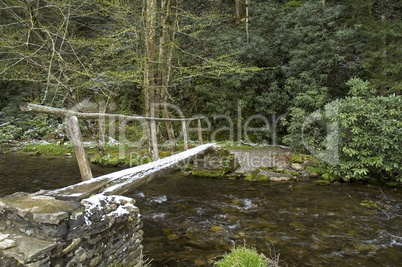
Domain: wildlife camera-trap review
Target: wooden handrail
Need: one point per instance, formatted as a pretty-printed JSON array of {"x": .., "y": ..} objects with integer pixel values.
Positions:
[{"x": 28, "y": 107}]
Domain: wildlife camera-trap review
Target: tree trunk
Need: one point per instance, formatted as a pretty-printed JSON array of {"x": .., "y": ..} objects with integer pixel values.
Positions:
[
  {"x": 242, "y": 13},
  {"x": 384, "y": 74},
  {"x": 149, "y": 68},
  {"x": 166, "y": 46},
  {"x": 247, "y": 20}
]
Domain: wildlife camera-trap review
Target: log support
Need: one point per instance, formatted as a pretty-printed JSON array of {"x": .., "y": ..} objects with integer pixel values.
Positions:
[
  {"x": 199, "y": 132},
  {"x": 185, "y": 137},
  {"x": 154, "y": 141},
  {"x": 76, "y": 138}
]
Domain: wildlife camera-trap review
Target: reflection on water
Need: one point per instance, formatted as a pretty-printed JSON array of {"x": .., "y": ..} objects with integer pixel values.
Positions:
[
  {"x": 189, "y": 220},
  {"x": 22, "y": 173}
]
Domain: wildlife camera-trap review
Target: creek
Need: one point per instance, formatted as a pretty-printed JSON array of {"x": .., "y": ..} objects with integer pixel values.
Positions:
[{"x": 189, "y": 221}]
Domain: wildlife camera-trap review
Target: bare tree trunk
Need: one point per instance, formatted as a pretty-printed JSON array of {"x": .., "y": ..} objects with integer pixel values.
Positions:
[
  {"x": 157, "y": 76},
  {"x": 165, "y": 57},
  {"x": 242, "y": 13},
  {"x": 238, "y": 11},
  {"x": 384, "y": 44},
  {"x": 149, "y": 68},
  {"x": 247, "y": 19}
]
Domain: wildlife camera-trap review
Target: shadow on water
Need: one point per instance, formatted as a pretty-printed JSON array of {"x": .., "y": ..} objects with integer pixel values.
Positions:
[
  {"x": 22, "y": 173},
  {"x": 188, "y": 221}
]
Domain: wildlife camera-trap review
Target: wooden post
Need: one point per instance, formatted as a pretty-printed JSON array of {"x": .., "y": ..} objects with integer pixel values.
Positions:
[
  {"x": 76, "y": 138},
  {"x": 154, "y": 141},
  {"x": 185, "y": 138},
  {"x": 199, "y": 132}
]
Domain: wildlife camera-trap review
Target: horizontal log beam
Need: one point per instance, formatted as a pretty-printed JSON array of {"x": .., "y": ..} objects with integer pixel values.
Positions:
[
  {"x": 94, "y": 116},
  {"x": 126, "y": 180}
]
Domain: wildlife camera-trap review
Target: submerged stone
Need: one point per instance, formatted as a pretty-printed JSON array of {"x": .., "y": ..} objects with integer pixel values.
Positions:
[
  {"x": 322, "y": 182},
  {"x": 256, "y": 177},
  {"x": 360, "y": 247},
  {"x": 199, "y": 262},
  {"x": 173, "y": 237},
  {"x": 209, "y": 173},
  {"x": 368, "y": 204},
  {"x": 373, "y": 181},
  {"x": 216, "y": 228},
  {"x": 392, "y": 184}
]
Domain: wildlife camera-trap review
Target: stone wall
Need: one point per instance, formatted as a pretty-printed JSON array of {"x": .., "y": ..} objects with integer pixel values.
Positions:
[{"x": 40, "y": 230}]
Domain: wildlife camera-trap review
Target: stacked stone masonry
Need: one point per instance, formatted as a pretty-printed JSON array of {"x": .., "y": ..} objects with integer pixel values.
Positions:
[{"x": 40, "y": 230}]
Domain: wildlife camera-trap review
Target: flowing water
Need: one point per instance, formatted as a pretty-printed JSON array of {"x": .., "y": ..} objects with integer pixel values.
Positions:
[{"x": 189, "y": 221}]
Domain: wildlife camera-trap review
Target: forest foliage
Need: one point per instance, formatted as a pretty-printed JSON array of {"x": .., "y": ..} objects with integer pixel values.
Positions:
[{"x": 283, "y": 60}]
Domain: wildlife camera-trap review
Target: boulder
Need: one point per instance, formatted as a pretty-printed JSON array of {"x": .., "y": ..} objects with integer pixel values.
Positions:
[
  {"x": 297, "y": 166},
  {"x": 215, "y": 164}
]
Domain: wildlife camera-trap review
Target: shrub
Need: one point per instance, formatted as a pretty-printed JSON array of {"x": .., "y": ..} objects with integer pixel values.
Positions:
[{"x": 369, "y": 139}]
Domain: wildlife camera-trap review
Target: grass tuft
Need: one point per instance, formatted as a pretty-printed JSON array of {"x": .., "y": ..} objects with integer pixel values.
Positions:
[{"x": 247, "y": 257}]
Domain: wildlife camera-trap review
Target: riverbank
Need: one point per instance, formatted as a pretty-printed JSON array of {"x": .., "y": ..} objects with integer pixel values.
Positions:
[{"x": 255, "y": 163}]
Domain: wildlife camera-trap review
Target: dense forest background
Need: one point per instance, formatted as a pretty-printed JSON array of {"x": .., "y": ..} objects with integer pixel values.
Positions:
[{"x": 283, "y": 60}]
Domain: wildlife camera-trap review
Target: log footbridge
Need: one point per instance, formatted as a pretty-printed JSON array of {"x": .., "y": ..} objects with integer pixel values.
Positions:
[
  {"x": 85, "y": 224},
  {"x": 119, "y": 182}
]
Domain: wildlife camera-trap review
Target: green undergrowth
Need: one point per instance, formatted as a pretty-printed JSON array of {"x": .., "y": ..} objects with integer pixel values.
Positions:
[
  {"x": 48, "y": 148},
  {"x": 109, "y": 155},
  {"x": 236, "y": 145},
  {"x": 246, "y": 257},
  {"x": 121, "y": 160},
  {"x": 67, "y": 148}
]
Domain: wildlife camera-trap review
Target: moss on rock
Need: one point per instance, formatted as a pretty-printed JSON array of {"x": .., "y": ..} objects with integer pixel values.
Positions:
[
  {"x": 257, "y": 177},
  {"x": 368, "y": 204},
  {"x": 209, "y": 173},
  {"x": 322, "y": 182},
  {"x": 296, "y": 158}
]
